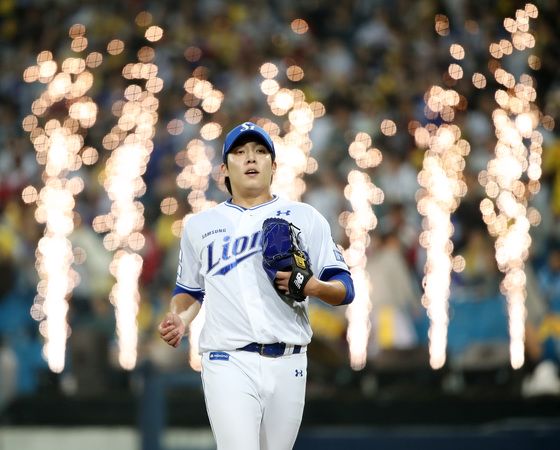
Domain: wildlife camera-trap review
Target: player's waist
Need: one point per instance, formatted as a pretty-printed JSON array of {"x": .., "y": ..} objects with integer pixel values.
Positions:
[{"x": 274, "y": 350}]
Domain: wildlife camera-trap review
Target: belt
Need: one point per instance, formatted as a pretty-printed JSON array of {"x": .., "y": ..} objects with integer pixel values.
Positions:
[{"x": 273, "y": 350}]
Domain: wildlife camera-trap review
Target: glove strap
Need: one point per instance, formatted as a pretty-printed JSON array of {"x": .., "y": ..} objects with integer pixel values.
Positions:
[{"x": 301, "y": 273}]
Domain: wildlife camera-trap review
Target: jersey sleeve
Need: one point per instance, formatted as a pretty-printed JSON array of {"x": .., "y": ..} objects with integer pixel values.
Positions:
[
  {"x": 189, "y": 279},
  {"x": 326, "y": 258}
]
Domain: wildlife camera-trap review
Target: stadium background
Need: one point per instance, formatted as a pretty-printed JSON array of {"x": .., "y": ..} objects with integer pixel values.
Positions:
[{"x": 364, "y": 61}]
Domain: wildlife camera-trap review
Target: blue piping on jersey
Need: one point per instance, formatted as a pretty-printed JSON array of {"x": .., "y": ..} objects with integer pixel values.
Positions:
[
  {"x": 328, "y": 271},
  {"x": 227, "y": 268},
  {"x": 198, "y": 294},
  {"x": 241, "y": 208},
  {"x": 188, "y": 288}
]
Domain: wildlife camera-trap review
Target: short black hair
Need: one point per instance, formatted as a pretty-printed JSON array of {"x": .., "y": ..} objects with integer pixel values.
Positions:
[{"x": 228, "y": 185}]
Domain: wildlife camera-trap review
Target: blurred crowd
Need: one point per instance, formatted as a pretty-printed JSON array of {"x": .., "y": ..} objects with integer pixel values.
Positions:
[{"x": 365, "y": 61}]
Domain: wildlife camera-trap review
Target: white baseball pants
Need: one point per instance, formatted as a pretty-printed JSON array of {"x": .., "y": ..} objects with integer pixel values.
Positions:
[{"x": 254, "y": 402}]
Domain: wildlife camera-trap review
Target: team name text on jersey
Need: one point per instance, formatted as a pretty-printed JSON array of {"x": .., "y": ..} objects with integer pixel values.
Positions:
[{"x": 241, "y": 248}]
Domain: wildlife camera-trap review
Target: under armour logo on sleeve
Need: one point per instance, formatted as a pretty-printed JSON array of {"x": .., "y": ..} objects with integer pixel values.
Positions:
[{"x": 279, "y": 212}]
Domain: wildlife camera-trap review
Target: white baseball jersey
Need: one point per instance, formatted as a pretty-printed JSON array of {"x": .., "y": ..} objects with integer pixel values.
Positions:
[{"x": 221, "y": 261}]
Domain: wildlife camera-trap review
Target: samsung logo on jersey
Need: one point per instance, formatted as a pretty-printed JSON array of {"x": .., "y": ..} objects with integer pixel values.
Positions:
[
  {"x": 209, "y": 233},
  {"x": 222, "y": 259}
]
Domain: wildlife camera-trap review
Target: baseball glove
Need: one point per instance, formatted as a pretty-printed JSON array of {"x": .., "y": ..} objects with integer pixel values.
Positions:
[{"x": 282, "y": 252}]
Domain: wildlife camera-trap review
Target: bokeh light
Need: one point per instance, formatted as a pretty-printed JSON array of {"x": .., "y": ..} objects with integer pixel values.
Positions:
[
  {"x": 358, "y": 223},
  {"x": 505, "y": 210}
]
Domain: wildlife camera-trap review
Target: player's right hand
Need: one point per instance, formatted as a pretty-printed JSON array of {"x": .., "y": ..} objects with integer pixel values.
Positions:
[{"x": 172, "y": 329}]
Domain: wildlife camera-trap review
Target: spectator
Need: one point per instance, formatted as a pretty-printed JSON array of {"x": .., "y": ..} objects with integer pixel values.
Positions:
[{"x": 395, "y": 303}]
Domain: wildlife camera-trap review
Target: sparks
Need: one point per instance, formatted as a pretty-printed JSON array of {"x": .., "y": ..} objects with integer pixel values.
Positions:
[
  {"x": 58, "y": 147},
  {"x": 505, "y": 210},
  {"x": 362, "y": 194}
]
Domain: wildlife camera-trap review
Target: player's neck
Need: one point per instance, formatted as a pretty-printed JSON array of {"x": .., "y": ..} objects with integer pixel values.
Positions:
[{"x": 249, "y": 200}]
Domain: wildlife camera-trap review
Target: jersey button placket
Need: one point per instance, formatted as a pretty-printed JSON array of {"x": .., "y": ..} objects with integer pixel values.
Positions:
[{"x": 246, "y": 277}]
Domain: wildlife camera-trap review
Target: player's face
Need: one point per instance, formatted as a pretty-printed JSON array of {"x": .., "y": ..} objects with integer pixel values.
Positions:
[{"x": 250, "y": 168}]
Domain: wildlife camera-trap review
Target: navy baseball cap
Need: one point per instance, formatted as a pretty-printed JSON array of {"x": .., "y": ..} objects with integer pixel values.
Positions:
[{"x": 247, "y": 132}]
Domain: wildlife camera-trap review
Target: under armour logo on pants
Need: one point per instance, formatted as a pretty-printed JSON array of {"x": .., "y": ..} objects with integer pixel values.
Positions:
[{"x": 299, "y": 373}]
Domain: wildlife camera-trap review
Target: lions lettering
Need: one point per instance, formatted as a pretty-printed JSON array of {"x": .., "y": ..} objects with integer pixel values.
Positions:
[{"x": 241, "y": 248}]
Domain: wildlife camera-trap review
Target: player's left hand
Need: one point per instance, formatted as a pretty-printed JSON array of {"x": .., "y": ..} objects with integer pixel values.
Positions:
[{"x": 282, "y": 282}]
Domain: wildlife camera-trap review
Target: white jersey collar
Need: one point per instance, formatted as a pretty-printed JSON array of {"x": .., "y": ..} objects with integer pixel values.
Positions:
[{"x": 241, "y": 208}]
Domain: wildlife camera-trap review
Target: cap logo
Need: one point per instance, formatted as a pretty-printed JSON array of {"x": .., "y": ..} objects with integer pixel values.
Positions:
[{"x": 247, "y": 126}]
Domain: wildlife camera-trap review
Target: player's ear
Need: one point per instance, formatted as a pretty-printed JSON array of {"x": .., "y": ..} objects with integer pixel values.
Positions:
[
  {"x": 224, "y": 169},
  {"x": 273, "y": 167}
]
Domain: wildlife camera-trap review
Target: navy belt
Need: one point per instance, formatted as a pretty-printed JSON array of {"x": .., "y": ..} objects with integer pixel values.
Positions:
[{"x": 272, "y": 350}]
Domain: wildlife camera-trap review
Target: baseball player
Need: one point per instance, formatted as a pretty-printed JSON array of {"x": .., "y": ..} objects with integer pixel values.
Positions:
[{"x": 253, "y": 260}]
